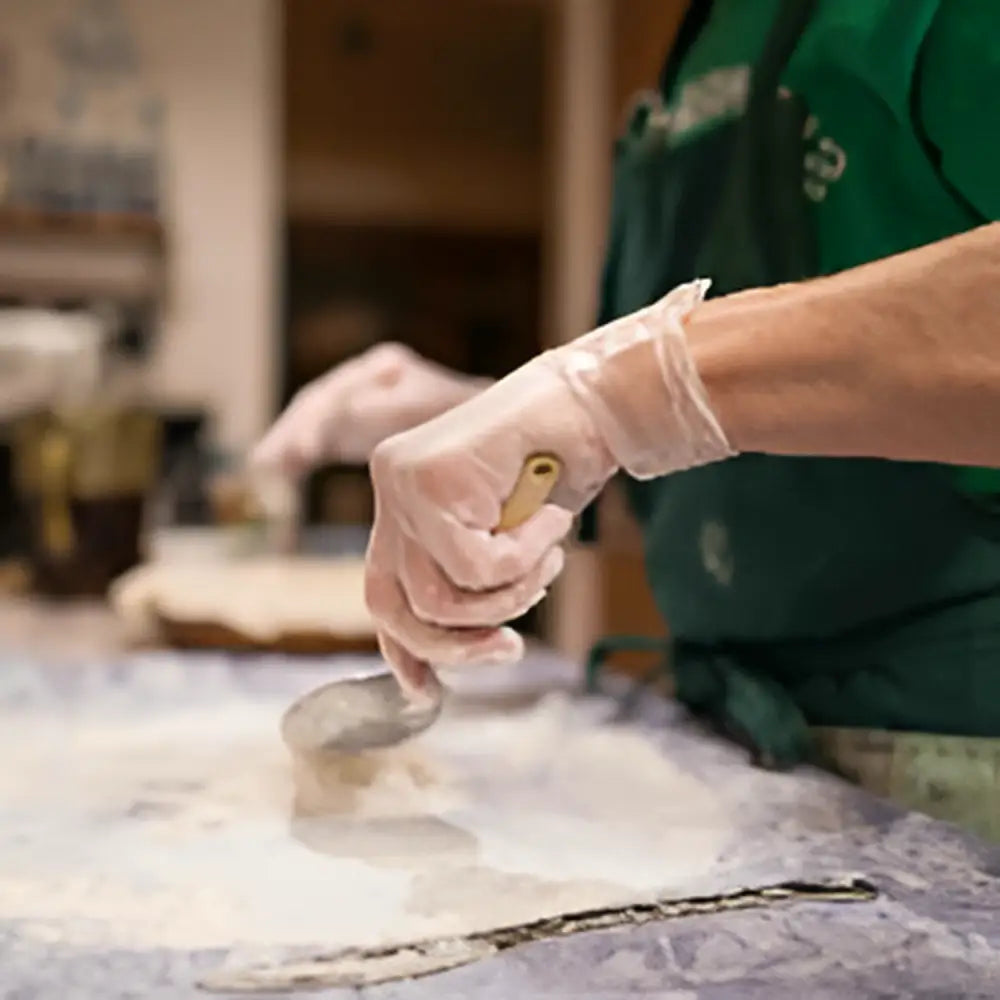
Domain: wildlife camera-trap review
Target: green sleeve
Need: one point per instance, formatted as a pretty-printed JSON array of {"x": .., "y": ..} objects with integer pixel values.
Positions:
[
  {"x": 959, "y": 109},
  {"x": 959, "y": 98}
]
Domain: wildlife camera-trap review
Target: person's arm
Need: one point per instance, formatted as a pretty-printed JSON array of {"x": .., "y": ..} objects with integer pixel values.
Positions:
[
  {"x": 900, "y": 358},
  {"x": 896, "y": 359}
]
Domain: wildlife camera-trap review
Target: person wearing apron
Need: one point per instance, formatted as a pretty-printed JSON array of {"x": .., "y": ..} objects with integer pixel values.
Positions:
[
  {"x": 831, "y": 609},
  {"x": 839, "y": 610}
]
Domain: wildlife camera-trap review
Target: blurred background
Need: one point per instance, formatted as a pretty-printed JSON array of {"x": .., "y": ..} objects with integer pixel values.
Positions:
[{"x": 203, "y": 206}]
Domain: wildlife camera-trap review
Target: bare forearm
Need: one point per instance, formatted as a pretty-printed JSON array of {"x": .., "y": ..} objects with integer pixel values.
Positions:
[{"x": 897, "y": 359}]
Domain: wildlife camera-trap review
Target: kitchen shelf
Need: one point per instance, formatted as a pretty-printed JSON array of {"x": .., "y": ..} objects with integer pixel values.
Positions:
[{"x": 60, "y": 255}]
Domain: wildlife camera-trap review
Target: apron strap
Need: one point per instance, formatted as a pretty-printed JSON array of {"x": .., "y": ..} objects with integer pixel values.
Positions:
[
  {"x": 762, "y": 181},
  {"x": 695, "y": 19},
  {"x": 931, "y": 151},
  {"x": 792, "y": 20},
  {"x": 745, "y": 705}
]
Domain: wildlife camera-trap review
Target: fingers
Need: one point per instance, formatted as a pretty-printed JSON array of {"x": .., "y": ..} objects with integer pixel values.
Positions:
[
  {"x": 272, "y": 451},
  {"x": 477, "y": 560},
  {"x": 414, "y": 675},
  {"x": 434, "y": 599},
  {"x": 301, "y": 436},
  {"x": 428, "y": 643},
  {"x": 295, "y": 443},
  {"x": 423, "y": 642},
  {"x": 345, "y": 413},
  {"x": 287, "y": 455}
]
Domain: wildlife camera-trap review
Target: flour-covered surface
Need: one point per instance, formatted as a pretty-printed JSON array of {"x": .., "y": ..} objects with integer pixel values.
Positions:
[
  {"x": 149, "y": 834},
  {"x": 154, "y": 805}
]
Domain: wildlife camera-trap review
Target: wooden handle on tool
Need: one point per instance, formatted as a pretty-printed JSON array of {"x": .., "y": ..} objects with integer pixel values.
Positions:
[{"x": 534, "y": 486}]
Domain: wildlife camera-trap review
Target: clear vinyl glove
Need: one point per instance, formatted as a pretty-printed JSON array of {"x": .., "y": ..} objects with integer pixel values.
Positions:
[
  {"x": 343, "y": 415},
  {"x": 439, "y": 582}
]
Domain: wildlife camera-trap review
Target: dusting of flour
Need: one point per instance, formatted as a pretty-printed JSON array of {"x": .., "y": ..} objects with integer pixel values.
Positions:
[{"x": 188, "y": 825}]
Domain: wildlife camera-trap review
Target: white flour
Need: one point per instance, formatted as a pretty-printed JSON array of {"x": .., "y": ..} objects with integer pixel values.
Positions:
[{"x": 179, "y": 829}]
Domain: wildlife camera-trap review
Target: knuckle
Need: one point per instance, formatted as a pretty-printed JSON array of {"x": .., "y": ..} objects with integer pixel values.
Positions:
[
  {"x": 310, "y": 396},
  {"x": 511, "y": 566},
  {"x": 490, "y": 609},
  {"x": 390, "y": 355},
  {"x": 379, "y": 597},
  {"x": 522, "y": 596},
  {"x": 466, "y": 572},
  {"x": 455, "y": 612},
  {"x": 428, "y": 480},
  {"x": 381, "y": 463},
  {"x": 426, "y": 603},
  {"x": 389, "y": 350}
]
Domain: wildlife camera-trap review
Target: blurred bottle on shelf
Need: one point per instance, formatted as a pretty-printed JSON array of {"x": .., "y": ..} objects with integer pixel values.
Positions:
[{"x": 85, "y": 449}]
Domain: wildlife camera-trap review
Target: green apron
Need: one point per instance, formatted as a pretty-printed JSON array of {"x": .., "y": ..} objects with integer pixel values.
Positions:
[{"x": 799, "y": 592}]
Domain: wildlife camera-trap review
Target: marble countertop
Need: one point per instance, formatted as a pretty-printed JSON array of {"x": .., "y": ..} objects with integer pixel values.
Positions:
[{"x": 932, "y": 932}]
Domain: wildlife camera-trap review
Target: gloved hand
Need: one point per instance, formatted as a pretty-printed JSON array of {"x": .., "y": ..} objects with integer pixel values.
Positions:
[
  {"x": 344, "y": 414},
  {"x": 439, "y": 582}
]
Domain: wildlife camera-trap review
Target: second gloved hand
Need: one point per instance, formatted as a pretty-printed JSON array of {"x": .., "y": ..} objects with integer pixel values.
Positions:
[
  {"x": 439, "y": 582},
  {"x": 343, "y": 415}
]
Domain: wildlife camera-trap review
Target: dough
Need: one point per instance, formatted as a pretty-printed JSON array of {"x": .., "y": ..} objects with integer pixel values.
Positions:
[{"x": 262, "y": 598}]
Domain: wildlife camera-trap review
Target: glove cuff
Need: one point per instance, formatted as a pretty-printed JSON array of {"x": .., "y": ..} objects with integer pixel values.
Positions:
[{"x": 638, "y": 381}]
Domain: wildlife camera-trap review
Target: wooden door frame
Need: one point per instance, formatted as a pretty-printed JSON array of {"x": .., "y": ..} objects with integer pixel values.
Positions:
[{"x": 580, "y": 102}]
